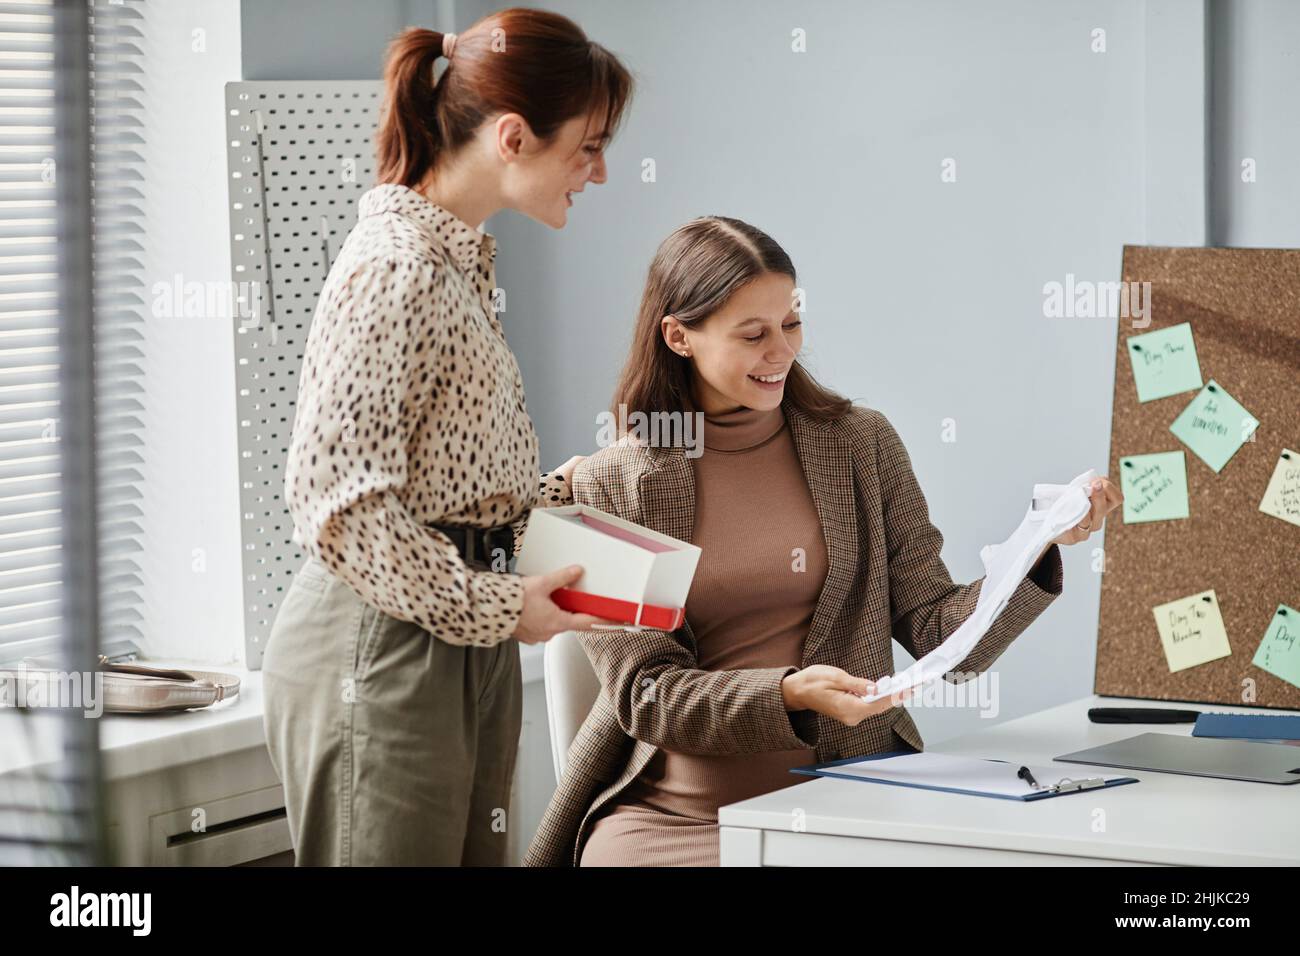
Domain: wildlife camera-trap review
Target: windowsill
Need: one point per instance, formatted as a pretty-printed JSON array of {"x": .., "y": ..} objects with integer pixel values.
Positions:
[{"x": 135, "y": 744}]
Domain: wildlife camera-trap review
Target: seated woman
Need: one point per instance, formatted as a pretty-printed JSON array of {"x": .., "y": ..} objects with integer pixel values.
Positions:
[{"x": 817, "y": 550}]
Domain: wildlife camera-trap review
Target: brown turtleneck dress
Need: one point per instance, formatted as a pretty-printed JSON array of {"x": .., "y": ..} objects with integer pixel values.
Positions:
[{"x": 750, "y": 605}]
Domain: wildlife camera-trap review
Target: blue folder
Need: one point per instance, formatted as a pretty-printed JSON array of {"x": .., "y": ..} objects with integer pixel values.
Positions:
[
  {"x": 828, "y": 770},
  {"x": 1281, "y": 727}
]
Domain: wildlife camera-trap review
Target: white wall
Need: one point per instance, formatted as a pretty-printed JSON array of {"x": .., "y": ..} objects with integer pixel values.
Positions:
[
  {"x": 191, "y": 563},
  {"x": 1255, "y": 82}
]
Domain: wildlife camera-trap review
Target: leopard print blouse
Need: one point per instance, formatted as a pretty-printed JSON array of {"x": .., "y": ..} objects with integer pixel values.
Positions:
[{"x": 410, "y": 412}]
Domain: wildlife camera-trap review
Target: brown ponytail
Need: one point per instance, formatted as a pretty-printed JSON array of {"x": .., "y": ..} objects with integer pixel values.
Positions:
[{"x": 531, "y": 62}]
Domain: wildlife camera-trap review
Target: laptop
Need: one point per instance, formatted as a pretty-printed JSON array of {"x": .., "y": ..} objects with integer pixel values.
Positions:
[{"x": 1199, "y": 756}]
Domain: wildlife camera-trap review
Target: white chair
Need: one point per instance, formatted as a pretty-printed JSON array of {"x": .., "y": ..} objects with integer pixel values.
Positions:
[{"x": 571, "y": 688}]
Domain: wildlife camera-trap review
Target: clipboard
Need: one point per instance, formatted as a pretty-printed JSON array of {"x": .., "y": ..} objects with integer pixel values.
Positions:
[{"x": 923, "y": 770}]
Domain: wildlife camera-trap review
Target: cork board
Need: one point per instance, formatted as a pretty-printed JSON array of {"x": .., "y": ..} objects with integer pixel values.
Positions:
[{"x": 1244, "y": 310}]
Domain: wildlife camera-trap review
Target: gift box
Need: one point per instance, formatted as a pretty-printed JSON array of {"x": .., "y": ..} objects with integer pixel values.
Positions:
[{"x": 630, "y": 574}]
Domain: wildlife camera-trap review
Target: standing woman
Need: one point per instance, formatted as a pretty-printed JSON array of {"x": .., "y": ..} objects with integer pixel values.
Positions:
[{"x": 391, "y": 675}]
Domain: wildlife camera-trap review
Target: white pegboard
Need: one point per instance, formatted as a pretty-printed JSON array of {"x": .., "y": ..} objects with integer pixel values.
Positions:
[{"x": 290, "y": 209}]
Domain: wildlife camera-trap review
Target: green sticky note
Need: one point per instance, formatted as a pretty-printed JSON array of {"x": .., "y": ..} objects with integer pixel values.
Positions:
[
  {"x": 1214, "y": 425},
  {"x": 1191, "y": 631},
  {"x": 1164, "y": 362},
  {"x": 1154, "y": 486},
  {"x": 1279, "y": 651}
]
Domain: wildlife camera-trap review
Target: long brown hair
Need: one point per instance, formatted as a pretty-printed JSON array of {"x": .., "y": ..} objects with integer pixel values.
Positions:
[
  {"x": 531, "y": 62},
  {"x": 695, "y": 271}
]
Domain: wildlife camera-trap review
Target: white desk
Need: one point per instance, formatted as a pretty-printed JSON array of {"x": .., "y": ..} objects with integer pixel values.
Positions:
[{"x": 1165, "y": 819}]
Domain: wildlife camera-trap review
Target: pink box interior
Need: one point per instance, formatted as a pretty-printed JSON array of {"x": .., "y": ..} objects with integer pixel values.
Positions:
[{"x": 631, "y": 537}]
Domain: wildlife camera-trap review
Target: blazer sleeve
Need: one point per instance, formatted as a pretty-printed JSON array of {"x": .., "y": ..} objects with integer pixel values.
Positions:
[
  {"x": 661, "y": 696},
  {"x": 342, "y": 491},
  {"x": 925, "y": 605}
]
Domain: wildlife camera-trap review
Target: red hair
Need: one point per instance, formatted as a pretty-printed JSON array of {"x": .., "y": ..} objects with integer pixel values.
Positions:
[{"x": 531, "y": 62}]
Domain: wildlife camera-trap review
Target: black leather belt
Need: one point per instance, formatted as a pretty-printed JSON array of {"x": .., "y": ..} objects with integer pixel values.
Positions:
[{"x": 480, "y": 544}]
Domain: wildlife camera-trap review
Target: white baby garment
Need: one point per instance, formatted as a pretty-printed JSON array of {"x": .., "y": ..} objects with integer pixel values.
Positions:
[{"x": 1053, "y": 510}]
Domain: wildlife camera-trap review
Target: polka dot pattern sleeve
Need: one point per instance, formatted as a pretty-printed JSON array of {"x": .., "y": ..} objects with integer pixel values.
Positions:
[
  {"x": 411, "y": 413},
  {"x": 553, "y": 492}
]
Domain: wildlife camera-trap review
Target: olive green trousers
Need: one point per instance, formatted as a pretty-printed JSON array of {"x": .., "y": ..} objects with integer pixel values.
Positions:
[{"x": 394, "y": 748}]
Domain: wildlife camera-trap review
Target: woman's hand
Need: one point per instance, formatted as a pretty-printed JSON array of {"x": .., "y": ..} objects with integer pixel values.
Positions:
[
  {"x": 542, "y": 618},
  {"x": 836, "y": 693},
  {"x": 565, "y": 471},
  {"x": 1105, "y": 497}
]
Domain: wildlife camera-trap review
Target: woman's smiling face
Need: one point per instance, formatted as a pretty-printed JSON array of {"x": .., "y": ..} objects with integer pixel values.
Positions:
[
  {"x": 540, "y": 182},
  {"x": 742, "y": 353}
]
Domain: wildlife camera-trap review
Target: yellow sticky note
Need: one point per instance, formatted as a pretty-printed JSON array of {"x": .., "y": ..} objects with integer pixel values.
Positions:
[
  {"x": 1191, "y": 631},
  {"x": 1282, "y": 497}
]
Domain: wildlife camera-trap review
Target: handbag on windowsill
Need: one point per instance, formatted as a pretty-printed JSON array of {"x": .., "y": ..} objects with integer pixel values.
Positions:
[{"x": 137, "y": 688}]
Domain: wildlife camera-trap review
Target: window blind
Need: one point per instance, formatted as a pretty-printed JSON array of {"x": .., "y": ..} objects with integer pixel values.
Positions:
[{"x": 31, "y": 519}]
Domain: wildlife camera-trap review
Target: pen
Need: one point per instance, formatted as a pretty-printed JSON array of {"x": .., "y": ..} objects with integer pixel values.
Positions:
[{"x": 1025, "y": 775}]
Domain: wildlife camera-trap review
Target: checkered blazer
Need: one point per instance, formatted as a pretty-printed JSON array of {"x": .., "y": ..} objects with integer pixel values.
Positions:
[{"x": 886, "y": 580}]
